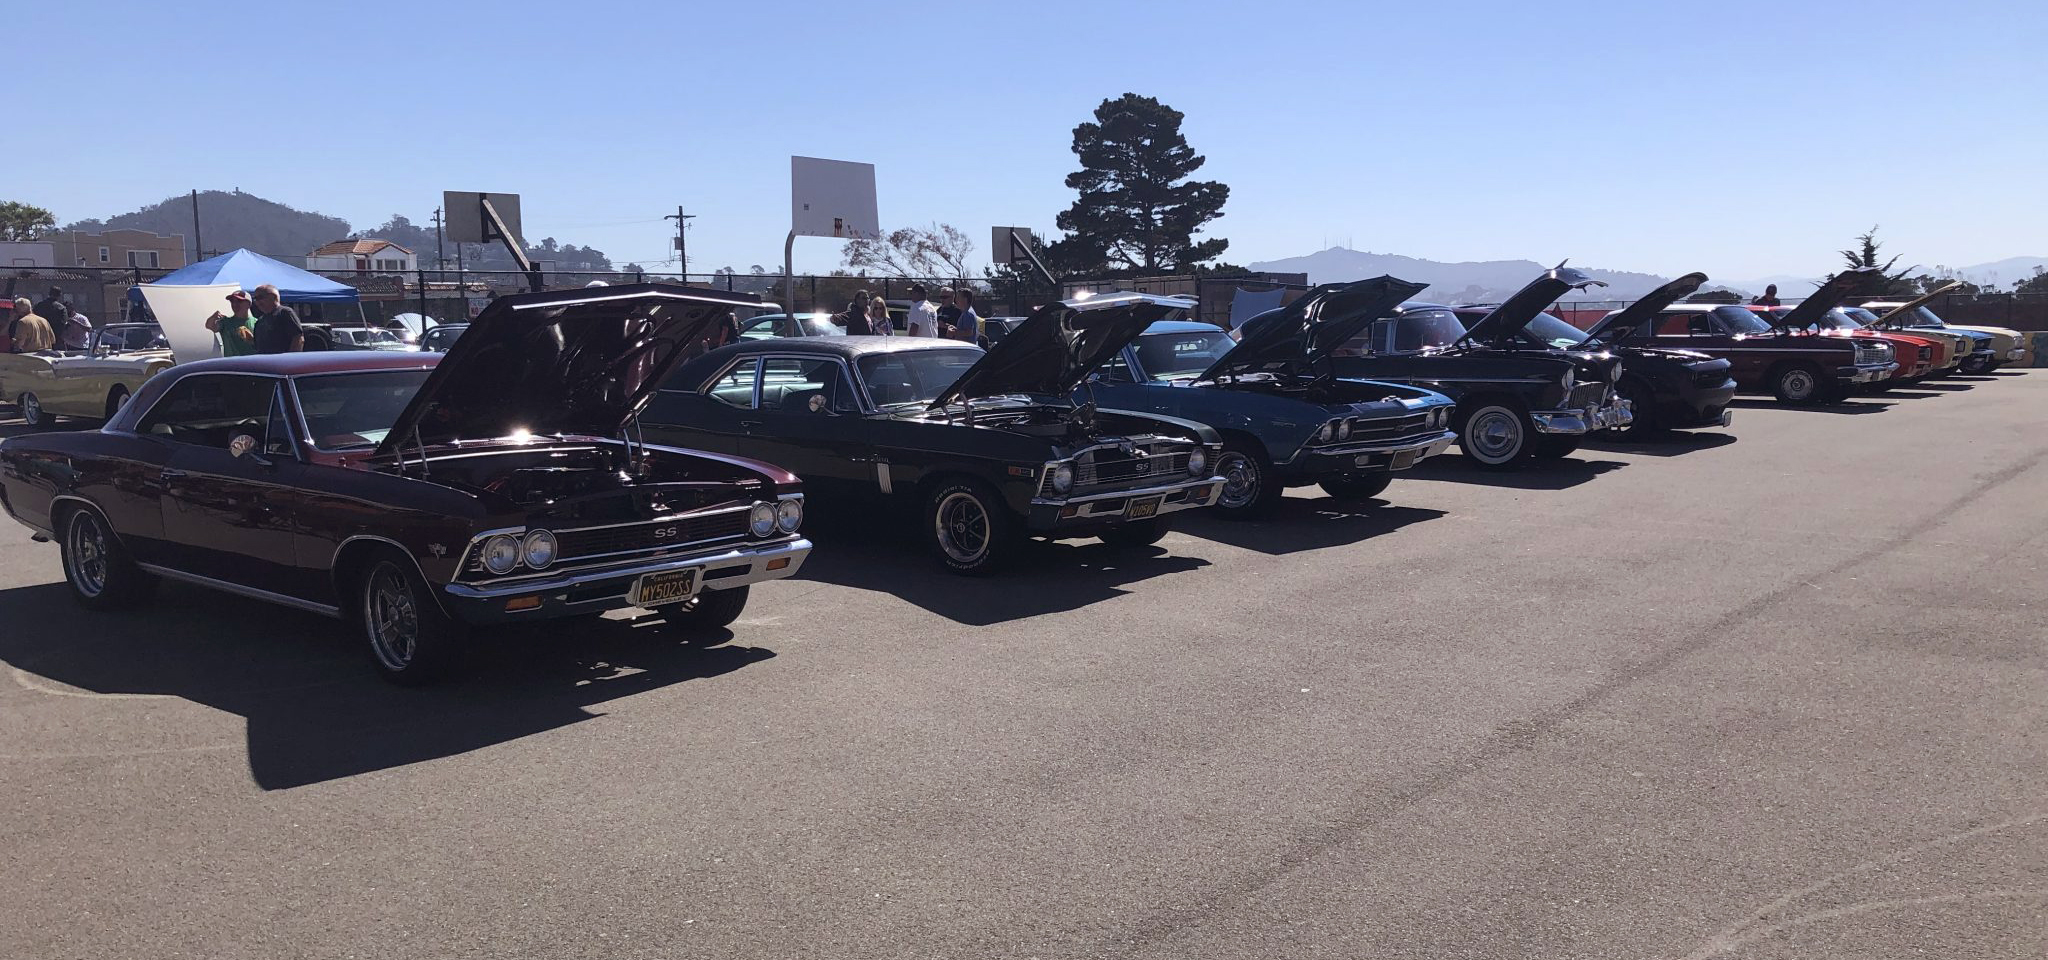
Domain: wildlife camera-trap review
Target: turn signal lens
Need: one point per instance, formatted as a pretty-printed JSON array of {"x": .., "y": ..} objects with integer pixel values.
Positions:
[
  {"x": 501, "y": 554},
  {"x": 789, "y": 515},
  {"x": 761, "y": 520},
  {"x": 538, "y": 549}
]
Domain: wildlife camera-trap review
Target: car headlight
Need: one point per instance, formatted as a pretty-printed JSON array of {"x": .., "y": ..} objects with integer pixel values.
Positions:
[
  {"x": 1344, "y": 430},
  {"x": 789, "y": 515},
  {"x": 1328, "y": 430},
  {"x": 1063, "y": 478},
  {"x": 1439, "y": 417},
  {"x": 1198, "y": 462},
  {"x": 538, "y": 549},
  {"x": 761, "y": 520},
  {"x": 501, "y": 553}
]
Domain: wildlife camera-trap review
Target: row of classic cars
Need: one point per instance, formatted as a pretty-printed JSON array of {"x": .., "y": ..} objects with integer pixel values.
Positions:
[{"x": 568, "y": 455}]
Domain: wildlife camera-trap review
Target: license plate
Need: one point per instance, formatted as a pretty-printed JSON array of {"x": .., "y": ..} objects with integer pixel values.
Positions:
[
  {"x": 1140, "y": 509},
  {"x": 669, "y": 586}
]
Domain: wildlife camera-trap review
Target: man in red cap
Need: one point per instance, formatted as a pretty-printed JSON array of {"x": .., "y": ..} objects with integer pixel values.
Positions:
[{"x": 237, "y": 330}]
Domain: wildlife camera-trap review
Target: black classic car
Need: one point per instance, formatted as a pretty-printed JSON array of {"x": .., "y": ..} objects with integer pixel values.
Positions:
[
  {"x": 419, "y": 498},
  {"x": 1771, "y": 353},
  {"x": 986, "y": 446},
  {"x": 1512, "y": 406},
  {"x": 1285, "y": 421},
  {"x": 1666, "y": 389}
]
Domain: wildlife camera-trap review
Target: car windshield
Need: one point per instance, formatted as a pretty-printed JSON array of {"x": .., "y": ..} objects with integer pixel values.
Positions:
[
  {"x": 1862, "y": 317},
  {"x": 1924, "y": 317},
  {"x": 913, "y": 376},
  {"x": 1737, "y": 320},
  {"x": 1840, "y": 319},
  {"x": 1549, "y": 329},
  {"x": 347, "y": 411},
  {"x": 130, "y": 336},
  {"x": 1181, "y": 356},
  {"x": 1421, "y": 329}
]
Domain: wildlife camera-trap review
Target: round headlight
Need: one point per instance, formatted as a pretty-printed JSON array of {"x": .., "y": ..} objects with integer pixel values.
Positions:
[
  {"x": 1329, "y": 430},
  {"x": 501, "y": 553},
  {"x": 1063, "y": 478},
  {"x": 1198, "y": 462},
  {"x": 1344, "y": 430},
  {"x": 789, "y": 515},
  {"x": 761, "y": 520},
  {"x": 538, "y": 549}
]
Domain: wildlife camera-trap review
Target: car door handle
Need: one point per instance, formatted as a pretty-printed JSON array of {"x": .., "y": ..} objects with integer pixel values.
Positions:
[
  {"x": 749, "y": 424},
  {"x": 169, "y": 474}
]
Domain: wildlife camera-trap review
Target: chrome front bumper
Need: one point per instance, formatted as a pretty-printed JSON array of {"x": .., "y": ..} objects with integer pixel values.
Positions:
[
  {"x": 1867, "y": 373},
  {"x": 604, "y": 588},
  {"x": 2016, "y": 353},
  {"x": 1052, "y": 513},
  {"x": 1620, "y": 413},
  {"x": 1386, "y": 455}
]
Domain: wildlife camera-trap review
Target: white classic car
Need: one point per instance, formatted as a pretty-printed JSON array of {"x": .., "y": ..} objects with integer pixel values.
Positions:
[{"x": 91, "y": 383}]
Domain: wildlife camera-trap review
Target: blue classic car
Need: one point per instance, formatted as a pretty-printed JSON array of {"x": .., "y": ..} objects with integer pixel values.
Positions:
[{"x": 1284, "y": 419}]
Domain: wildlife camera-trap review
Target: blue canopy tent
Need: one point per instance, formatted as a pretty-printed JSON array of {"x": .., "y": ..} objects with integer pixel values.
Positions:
[{"x": 251, "y": 270}]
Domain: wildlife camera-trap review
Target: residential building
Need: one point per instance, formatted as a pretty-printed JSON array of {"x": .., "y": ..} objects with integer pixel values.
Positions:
[
  {"x": 368, "y": 255},
  {"x": 119, "y": 249}
]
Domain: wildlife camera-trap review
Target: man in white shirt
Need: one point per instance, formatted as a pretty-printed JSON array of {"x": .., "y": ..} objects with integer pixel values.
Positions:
[{"x": 924, "y": 317}]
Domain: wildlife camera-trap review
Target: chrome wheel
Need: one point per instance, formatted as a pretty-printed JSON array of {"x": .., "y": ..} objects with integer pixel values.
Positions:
[
  {"x": 1798, "y": 383},
  {"x": 962, "y": 527},
  {"x": 1494, "y": 435},
  {"x": 85, "y": 554},
  {"x": 391, "y": 617},
  {"x": 31, "y": 410},
  {"x": 1242, "y": 480}
]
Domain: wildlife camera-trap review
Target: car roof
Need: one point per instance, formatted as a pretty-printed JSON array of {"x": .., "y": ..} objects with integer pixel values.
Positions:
[
  {"x": 847, "y": 347},
  {"x": 1182, "y": 326},
  {"x": 317, "y": 361}
]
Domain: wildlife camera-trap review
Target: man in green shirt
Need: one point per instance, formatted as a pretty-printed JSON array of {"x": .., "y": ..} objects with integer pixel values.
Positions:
[{"x": 237, "y": 330}]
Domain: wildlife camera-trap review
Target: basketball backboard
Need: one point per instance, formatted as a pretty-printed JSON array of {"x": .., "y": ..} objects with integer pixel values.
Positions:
[
  {"x": 462, "y": 216},
  {"x": 1002, "y": 249},
  {"x": 832, "y": 198}
]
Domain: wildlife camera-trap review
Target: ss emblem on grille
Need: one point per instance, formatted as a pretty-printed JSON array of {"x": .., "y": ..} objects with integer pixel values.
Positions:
[{"x": 663, "y": 533}]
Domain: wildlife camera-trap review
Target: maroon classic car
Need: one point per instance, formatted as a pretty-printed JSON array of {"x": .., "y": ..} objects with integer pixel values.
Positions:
[{"x": 419, "y": 499}]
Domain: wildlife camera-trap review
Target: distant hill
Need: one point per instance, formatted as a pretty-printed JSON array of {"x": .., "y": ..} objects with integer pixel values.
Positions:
[
  {"x": 1469, "y": 282},
  {"x": 228, "y": 220}
]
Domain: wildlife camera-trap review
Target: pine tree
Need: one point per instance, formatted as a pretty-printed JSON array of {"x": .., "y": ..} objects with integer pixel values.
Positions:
[{"x": 1137, "y": 212}]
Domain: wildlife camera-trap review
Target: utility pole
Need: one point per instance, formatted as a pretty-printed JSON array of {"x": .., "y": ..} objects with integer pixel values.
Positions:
[
  {"x": 682, "y": 250},
  {"x": 198, "y": 251},
  {"x": 440, "y": 256}
]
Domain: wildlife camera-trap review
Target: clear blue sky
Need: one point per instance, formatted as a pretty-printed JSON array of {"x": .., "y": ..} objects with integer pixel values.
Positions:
[{"x": 1740, "y": 138}]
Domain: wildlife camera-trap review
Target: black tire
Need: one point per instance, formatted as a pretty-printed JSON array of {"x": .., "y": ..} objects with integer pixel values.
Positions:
[
  {"x": 1646, "y": 423},
  {"x": 1977, "y": 365},
  {"x": 97, "y": 567},
  {"x": 32, "y": 412},
  {"x": 1250, "y": 488},
  {"x": 1557, "y": 446},
  {"x": 1496, "y": 435},
  {"x": 968, "y": 527},
  {"x": 116, "y": 399},
  {"x": 409, "y": 639},
  {"x": 1137, "y": 533},
  {"x": 708, "y": 610},
  {"x": 1358, "y": 486},
  {"x": 1799, "y": 383}
]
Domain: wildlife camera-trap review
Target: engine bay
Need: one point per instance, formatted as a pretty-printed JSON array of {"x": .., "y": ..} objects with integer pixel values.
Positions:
[{"x": 592, "y": 483}]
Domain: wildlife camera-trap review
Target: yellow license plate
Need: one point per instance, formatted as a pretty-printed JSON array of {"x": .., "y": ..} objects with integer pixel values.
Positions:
[
  {"x": 669, "y": 586},
  {"x": 1140, "y": 509}
]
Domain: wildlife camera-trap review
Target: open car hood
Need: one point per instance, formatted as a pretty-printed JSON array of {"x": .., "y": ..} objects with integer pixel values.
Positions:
[
  {"x": 1839, "y": 287},
  {"x": 1616, "y": 326},
  {"x": 1921, "y": 301},
  {"x": 574, "y": 361},
  {"x": 1054, "y": 349},
  {"x": 1319, "y": 321},
  {"x": 1508, "y": 319}
]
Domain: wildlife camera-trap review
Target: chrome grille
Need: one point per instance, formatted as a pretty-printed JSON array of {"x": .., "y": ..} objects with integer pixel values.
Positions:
[
  {"x": 1112, "y": 466},
  {"x": 1586, "y": 395},
  {"x": 1370, "y": 430}
]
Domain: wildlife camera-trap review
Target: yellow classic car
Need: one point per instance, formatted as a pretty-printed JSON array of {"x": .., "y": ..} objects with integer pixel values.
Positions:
[{"x": 91, "y": 383}]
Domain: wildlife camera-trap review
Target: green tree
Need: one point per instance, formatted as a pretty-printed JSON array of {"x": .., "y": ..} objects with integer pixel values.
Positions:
[
  {"x": 2038, "y": 283},
  {"x": 1865, "y": 254},
  {"x": 23, "y": 221},
  {"x": 1138, "y": 212}
]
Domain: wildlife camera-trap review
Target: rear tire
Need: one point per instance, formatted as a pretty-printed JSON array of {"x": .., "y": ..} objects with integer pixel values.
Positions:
[
  {"x": 1137, "y": 533},
  {"x": 32, "y": 412},
  {"x": 1249, "y": 487},
  {"x": 1496, "y": 435},
  {"x": 97, "y": 567},
  {"x": 968, "y": 527},
  {"x": 708, "y": 610},
  {"x": 1358, "y": 486},
  {"x": 410, "y": 640}
]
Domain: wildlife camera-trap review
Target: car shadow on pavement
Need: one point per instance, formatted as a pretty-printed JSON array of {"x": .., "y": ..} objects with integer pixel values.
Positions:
[
  {"x": 1852, "y": 406},
  {"x": 1670, "y": 443},
  {"x": 314, "y": 708},
  {"x": 1560, "y": 474},
  {"x": 875, "y": 552},
  {"x": 1310, "y": 523}
]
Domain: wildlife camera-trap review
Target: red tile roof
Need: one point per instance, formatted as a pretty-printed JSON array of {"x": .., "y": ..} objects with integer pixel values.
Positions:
[{"x": 349, "y": 247}]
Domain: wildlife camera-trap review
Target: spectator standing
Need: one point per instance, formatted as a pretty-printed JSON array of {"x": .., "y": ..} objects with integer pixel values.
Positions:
[
  {"x": 855, "y": 317},
  {"x": 966, "y": 326},
  {"x": 238, "y": 329},
  {"x": 277, "y": 326},
  {"x": 77, "y": 332},
  {"x": 947, "y": 314},
  {"x": 53, "y": 309},
  {"x": 1770, "y": 297},
  {"x": 924, "y": 317},
  {"x": 878, "y": 318},
  {"x": 31, "y": 331}
]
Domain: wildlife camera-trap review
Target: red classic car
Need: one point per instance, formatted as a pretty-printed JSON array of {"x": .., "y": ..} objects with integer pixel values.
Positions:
[
  {"x": 1918, "y": 357},
  {"x": 419, "y": 498}
]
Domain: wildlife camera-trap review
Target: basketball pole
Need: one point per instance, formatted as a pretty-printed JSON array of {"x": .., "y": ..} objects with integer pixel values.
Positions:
[{"x": 789, "y": 274}]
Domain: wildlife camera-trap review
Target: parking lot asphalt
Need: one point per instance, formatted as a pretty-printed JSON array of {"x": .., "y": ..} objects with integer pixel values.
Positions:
[{"x": 1770, "y": 692}]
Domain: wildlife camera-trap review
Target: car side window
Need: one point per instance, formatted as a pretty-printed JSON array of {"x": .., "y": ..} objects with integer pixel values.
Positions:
[
  {"x": 1117, "y": 370},
  {"x": 210, "y": 410},
  {"x": 277, "y": 427},
  {"x": 736, "y": 387},
  {"x": 791, "y": 385},
  {"x": 1675, "y": 324}
]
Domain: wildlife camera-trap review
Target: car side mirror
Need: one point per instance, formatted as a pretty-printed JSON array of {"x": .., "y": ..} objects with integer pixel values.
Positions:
[
  {"x": 818, "y": 405},
  {"x": 244, "y": 446}
]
